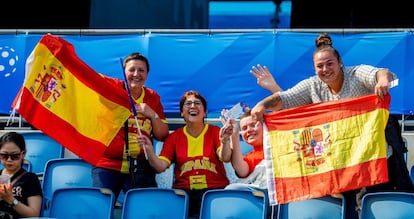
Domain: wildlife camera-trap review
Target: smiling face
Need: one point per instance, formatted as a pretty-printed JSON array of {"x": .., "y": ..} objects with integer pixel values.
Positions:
[
  {"x": 193, "y": 109},
  {"x": 328, "y": 68},
  {"x": 136, "y": 72},
  {"x": 251, "y": 131}
]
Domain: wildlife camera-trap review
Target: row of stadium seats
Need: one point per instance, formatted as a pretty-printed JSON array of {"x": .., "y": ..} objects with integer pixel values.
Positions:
[
  {"x": 67, "y": 178},
  {"x": 90, "y": 202},
  {"x": 56, "y": 169}
]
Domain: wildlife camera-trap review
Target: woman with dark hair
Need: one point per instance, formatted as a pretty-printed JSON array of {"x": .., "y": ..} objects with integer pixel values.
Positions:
[
  {"x": 197, "y": 151},
  {"x": 334, "y": 81},
  {"x": 22, "y": 197}
]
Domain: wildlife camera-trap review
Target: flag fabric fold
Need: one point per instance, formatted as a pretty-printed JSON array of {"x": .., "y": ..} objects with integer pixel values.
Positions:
[
  {"x": 326, "y": 148},
  {"x": 70, "y": 102}
]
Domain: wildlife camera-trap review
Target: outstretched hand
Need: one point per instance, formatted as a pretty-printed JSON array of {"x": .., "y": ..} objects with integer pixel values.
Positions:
[{"x": 265, "y": 78}]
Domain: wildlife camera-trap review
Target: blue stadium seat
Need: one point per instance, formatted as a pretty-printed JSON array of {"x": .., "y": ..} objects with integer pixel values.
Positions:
[
  {"x": 385, "y": 205},
  {"x": 64, "y": 173},
  {"x": 164, "y": 179},
  {"x": 27, "y": 165},
  {"x": 148, "y": 203},
  {"x": 82, "y": 202},
  {"x": 40, "y": 149},
  {"x": 327, "y": 207},
  {"x": 229, "y": 203}
]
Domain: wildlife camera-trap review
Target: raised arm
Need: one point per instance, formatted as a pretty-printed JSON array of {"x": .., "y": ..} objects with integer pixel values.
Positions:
[
  {"x": 239, "y": 164},
  {"x": 265, "y": 78},
  {"x": 226, "y": 132}
]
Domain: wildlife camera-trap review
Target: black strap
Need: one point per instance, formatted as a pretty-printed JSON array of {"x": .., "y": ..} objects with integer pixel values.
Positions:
[
  {"x": 18, "y": 177},
  {"x": 142, "y": 174},
  {"x": 126, "y": 131},
  {"x": 126, "y": 139}
]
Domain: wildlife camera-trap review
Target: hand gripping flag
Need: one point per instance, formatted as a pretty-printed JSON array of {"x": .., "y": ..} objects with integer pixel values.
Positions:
[
  {"x": 70, "y": 102},
  {"x": 326, "y": 148}
]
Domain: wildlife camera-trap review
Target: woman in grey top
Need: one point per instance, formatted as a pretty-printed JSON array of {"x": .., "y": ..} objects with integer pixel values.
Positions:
[{"x": 333, "y": 81}]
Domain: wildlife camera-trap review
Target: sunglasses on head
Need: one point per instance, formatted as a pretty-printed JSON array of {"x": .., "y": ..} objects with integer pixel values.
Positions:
[{"x": 13, "y": 156}]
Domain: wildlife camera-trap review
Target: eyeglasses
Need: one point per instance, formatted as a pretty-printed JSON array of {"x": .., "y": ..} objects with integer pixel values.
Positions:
[
  {"x": 189, "y": 103},
  {"x": 14, "y": 156}
]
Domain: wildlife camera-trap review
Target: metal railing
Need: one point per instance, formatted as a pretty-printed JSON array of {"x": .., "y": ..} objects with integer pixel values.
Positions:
[
  {"x": 149, "y": 31},
  {"x": 23, "y": 125}
]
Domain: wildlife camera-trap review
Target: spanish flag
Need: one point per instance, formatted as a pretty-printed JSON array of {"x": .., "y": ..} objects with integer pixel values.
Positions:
[
  {"x": 70, "y": 102},
  {"x": 326, "y": 148}
]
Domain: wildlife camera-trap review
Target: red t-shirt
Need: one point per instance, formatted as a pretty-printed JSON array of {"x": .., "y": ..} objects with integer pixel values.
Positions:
[
  {"x": 254, "y": 157},
  {"x": 114, "y": 157},
  {"x": 197, "y": 165}
]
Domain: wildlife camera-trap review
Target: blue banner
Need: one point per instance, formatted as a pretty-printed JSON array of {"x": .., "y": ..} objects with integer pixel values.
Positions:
[{"x": 217, "y": 64}]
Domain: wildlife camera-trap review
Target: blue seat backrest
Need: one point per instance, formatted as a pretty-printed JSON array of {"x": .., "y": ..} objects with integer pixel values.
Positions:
[
  {"x": 384, "y": 205},
  {"x": 64, "y": 173},
  {"x": 229, "y": 203},
  {"x": 82, "y": 202},
  {"x": 40, "y": 149},
  {"x": 327, "y": 207},
  {"x": 155, "y": 203}
]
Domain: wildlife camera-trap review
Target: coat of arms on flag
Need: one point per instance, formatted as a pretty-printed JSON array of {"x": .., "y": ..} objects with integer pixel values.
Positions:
[
  {"x": 326, "y": 148},
  {"x": 70, "y": 102}
]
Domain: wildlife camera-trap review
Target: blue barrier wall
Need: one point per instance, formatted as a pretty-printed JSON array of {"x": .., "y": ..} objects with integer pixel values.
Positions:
[{"x": 217, "y": 63}]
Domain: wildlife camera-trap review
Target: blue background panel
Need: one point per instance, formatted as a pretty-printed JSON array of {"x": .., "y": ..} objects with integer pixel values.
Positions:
[{"x": 217, "y": 64}]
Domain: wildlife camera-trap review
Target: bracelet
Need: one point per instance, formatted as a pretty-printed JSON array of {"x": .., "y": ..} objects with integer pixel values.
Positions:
[{"x": 156, "y": 116}]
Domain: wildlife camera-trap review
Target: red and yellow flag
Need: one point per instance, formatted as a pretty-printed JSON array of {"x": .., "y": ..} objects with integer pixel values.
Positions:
[
  {"x": 70, "y": 102},
  {"x": 326, "y": 148}
]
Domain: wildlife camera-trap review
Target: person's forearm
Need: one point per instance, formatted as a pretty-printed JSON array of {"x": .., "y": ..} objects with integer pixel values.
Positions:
[
  {"x": 159, "y": 129},
  {"x": 237, "y": 161},
  {"x": 159, "y": 165},
  {"x": 275, "y": 88},
  {"x": 384, "y": 75},
  {"x": 239, "y": 165},
  {"x": 272, "y": 102},
  {"x": 225, "y": 151}
]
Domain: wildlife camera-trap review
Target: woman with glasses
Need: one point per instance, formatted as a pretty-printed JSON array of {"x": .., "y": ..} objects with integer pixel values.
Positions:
[
  {"x": 197, "y": 150},
  {"x": 21, "y": 196}
]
